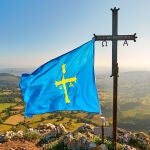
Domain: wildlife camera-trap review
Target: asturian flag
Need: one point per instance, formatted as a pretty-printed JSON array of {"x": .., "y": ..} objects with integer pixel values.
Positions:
[{"x": 64, "y": 83}]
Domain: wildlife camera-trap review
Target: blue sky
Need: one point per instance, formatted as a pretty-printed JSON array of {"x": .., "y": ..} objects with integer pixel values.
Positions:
[{"x": 33, "y": 31}]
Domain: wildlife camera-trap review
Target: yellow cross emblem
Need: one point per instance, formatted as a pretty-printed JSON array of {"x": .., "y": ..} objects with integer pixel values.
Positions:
[{"x": 64, "y": 81}]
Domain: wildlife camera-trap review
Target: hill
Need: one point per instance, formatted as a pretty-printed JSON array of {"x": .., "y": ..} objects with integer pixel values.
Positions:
[
  {"x": 8, "y": 80},
  {"x": 16, "y": 71},
  {"x": 133, "y": 98}
]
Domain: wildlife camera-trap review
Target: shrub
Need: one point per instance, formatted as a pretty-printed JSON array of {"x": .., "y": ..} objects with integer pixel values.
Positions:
[
  {"x": 97, "y": 140},
  {"x": 109, "y": 144},
  {"x": 1, "y": 120},
  {"x": 32, "y": 136},
  {"x": 56, "y": 145}
]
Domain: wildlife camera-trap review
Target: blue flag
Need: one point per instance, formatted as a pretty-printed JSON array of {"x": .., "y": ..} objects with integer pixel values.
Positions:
[{"x": 64, "y": 83}]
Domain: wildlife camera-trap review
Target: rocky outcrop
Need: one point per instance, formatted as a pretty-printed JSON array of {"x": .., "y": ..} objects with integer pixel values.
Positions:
[
  {"x": 47, "y": 126},
  {"x": 56, "y": 131},
  {"x": 2, "y": 138},
  {"x": 125, "y": 136},
  {"x": 14, "y": 135},
  {"x": 86, "y": 128},
  {"x": 77, "y": 141},
  {"x": 80, "y": 139}
]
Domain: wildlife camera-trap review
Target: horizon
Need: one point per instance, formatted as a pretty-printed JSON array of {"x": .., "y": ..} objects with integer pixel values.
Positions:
[{"x": 98, "y": 71}]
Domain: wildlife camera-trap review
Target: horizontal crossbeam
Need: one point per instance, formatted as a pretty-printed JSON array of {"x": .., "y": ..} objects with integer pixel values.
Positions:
[{"x": 115, "y": 37}]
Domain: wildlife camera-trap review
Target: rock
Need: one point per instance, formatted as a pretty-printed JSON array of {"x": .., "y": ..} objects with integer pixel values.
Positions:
[
  {"x": 104, "y": 147},
  {"x": 11, "y": 149},
  {"x": 72, "y": 145},
  {"x": 100, "y": 147},
  {"x": 21, "y": 148},
  {"x": 54, "y": 132},
  {"x": 96, "y": 148},
  {"x": 127, "y": 147},
  {"x": 77, "y": 141},
  {"x": 61, "y": 129},
  {"x": 10, "y": 134},
  {"x": 18, "y": 148},
  {"x": 31, "y": 130},
  {"x": 68, "y": 138},
  {"x": 57, "y": 131},
  {"x": 90, "y": 135},
  {"x": 41, "y": 126},
  {"x": 86, "y": 128},
  {"x": 19, "y": 134},
  {"x": 42, "y": 131},
  {"x": 91, "y": 145},
  {"x": 82, "y": 143},
  {"x": 2, "y": 139},
  {"x": 50, "y": 126}
]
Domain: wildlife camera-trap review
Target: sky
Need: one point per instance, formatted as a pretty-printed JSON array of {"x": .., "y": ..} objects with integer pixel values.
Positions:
[{"x": 33, "y": 32}]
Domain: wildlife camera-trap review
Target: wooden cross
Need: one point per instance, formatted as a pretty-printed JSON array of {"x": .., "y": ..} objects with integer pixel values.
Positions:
[{"x": 114, "y": 38}]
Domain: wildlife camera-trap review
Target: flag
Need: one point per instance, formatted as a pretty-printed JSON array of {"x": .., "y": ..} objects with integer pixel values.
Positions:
[{"x": 64, "y": 83}]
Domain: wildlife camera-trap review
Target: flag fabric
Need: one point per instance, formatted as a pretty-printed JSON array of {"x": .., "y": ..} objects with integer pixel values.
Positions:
[{"x": 64, "y": 83}]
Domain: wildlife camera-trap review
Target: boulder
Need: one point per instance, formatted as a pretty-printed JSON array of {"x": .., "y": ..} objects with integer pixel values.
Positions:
[
  {"x": 31, "y": 130},
  {"x": 20, "y": 134},
  {"x": 86, "y": 128},
  {"x": 82, "y": 143},
  {"x": 50, "y": 126},
  {"x": 41, "y": 126},
  {"x": 91, "y": 145},
  {"x": 73, "y": 145},
  {"x": 2, "y": 139},
  {"x": 61, "y": 129},
  {"x": 10, "y": 134},
  {"x": 68, "y": 138}
]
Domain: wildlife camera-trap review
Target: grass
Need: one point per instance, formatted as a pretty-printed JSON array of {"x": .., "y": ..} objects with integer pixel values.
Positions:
[
  {"x": 69, "y": 120},
  {"x": 6, "y": 93},
  {"x": 4, "y": 106},
  {"x": 4, "y": 128}
]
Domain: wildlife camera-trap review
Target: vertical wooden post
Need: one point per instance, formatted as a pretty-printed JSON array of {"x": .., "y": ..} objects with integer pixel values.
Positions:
[
  {"x": 114, "y": 73},
  {"x": 102, "y": 128}
]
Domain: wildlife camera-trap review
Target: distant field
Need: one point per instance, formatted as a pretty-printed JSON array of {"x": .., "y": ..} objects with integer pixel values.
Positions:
[
  {"x": 15, "y": 119},
  {"x": 4, "y": 106},
  {"x": 133, "y": 104},
  {"x": 6, "y": 93},
  {"x": 4, "y": 128}
]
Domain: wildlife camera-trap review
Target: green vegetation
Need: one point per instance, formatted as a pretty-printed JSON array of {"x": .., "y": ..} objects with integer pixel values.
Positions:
[
  {"x": 133, "y": 99},
  {"x": 29, "y": 136},
  {"x": 8, "y": 81},
  {"x": 4, "y": 106},
  {"x": 133, "y": 103}
]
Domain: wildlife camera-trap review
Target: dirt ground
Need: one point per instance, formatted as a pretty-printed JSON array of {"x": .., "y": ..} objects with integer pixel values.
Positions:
[
  {"x": 15, "y": 119},
  {"x": 18, "y": 145}
]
